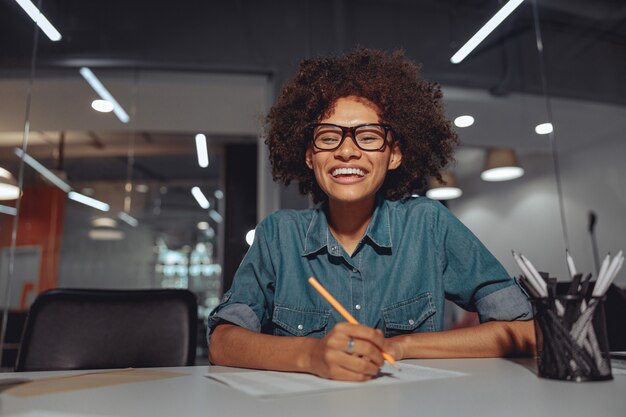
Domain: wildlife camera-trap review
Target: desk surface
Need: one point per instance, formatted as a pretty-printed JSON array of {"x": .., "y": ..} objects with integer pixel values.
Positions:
[{"x": 493, "y": 387}]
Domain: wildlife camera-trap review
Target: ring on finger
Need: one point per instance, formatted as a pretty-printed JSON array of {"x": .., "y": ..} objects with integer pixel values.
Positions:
[{"x": 350, "y": 346}]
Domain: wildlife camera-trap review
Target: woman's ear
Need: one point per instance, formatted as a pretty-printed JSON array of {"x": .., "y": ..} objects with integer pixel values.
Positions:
[
  {"x": 308, "y": 157},
  {"x": 396, "y": 156}
]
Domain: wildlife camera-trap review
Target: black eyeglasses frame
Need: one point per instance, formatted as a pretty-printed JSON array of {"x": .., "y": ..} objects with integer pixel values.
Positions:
[{"x": 352, "y": 130}]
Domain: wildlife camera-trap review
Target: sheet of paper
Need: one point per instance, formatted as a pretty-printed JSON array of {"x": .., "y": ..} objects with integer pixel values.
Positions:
[{"x": 268, "y": 384}]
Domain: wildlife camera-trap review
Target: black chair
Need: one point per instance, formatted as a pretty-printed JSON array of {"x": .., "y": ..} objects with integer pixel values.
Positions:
[{"x": 103, "y": 329}]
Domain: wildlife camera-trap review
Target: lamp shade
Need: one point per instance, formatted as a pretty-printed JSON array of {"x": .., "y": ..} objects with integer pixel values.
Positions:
[
  {"x": 8, "y": 186},
  {"x": 446, "y": 190},
  {"x": 501, "y": 165}
]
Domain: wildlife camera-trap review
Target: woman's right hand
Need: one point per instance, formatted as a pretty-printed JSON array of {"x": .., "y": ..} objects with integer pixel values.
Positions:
[{"x": 330, "y": 357}]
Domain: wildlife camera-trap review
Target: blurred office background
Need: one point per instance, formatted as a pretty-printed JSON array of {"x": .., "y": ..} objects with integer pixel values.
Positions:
[{"x": 206, "y": 72}]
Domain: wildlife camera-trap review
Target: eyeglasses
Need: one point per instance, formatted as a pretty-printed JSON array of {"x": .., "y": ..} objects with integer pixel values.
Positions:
[{"x": 367, "y": 137}]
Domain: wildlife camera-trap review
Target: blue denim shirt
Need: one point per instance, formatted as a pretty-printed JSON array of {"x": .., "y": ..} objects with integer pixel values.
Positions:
[{"x": 414, "y": 254}]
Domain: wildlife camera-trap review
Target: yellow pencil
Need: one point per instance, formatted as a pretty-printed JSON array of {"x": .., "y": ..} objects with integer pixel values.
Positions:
[{"x": 344, "y": 313}]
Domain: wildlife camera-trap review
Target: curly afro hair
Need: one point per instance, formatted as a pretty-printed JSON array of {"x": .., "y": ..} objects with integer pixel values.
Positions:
[{"x": 393, "y": 83}]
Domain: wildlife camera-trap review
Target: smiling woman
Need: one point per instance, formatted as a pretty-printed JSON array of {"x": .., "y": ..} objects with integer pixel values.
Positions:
[{"x": 359, "y": 133}]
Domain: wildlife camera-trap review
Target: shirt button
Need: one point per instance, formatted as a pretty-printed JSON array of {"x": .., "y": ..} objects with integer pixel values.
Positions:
[
  {"x": 358, "y": 306},
  {"x": 300, "y": 327},
  {"x": 411, "y": 322},
  {"x": 355, "y": 270}
]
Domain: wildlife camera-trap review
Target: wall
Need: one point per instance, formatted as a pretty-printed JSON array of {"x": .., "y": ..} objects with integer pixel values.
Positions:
[{"x": 524, "y": 215}]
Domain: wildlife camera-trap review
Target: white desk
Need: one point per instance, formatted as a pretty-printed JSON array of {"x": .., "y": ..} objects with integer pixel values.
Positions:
[{"x": 494, "y": 387}]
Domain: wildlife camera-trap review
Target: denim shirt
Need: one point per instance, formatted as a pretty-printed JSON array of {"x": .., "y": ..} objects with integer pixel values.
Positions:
[{"x": 414, "y": 254}]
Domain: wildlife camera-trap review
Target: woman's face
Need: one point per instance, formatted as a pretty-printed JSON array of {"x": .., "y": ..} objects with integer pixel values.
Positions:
[{"x": 366, "y": 169}]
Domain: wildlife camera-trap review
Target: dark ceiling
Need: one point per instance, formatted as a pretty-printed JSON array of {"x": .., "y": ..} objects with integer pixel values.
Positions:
[{"x": 579, "y": 36}]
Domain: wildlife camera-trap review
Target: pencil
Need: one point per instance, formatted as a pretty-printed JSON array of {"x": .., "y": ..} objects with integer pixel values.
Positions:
[{"x": 344, "y": 313}]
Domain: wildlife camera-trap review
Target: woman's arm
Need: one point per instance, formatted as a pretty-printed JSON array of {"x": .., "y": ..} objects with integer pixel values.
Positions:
[
  {"x": 490, "y": 339},
  {"x": 232, "y": 345}
]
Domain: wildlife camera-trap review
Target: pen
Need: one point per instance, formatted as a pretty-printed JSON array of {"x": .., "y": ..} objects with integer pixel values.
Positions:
[
  {"x": 570, "y": 264},
  {"x": 344, "y": 313}
]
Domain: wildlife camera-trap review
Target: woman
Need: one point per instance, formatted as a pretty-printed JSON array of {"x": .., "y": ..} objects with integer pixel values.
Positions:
[{"x": 360, "y": 133}]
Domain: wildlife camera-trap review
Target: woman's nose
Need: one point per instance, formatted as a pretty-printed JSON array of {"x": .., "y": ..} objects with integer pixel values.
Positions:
[{"x": 348, "y": 149}]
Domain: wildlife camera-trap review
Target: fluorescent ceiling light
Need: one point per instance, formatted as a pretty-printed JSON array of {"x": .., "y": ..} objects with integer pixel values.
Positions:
[
  {"x": 200, "y": 198},
  {"x": 104, "y": 94},
  {"x": 250, "y": 237},
  {"x": 203, "y": 155},
  {"x": 88, "y": 201},
  {"x": 483, "y": 32},
  {"x": 502, "y": 174},
  {"x": 103, "y": 106},
  {"x": 444, "y": 193},
  {"x": 215, "y": 216},
  {"x": 203, "y": 225},
  {"x": 41, "y": 21},
  {"x": 11, "y": 211},
  {"x": 218, "y": 194},
  {"x": 544, "y": 128},
  {"x": 464, "y": 121},
  {"x": 128, "y": 219},
  {"x": 45, "y": 172},
  {"x": 142, "y": 188}
]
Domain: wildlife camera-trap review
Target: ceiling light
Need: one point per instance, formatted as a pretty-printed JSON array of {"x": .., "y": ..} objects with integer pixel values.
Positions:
[
  {"x": 203, "y": 225},
  {"x": 103, "y": 106},
  {"x": 88, "y": 201},
  {"x": 41, "y": 21},
  {"x": 215, "y": 216},
  {"x": 464, "y": 121},
  {"x": 106, "y": 234},
  {"x": 200, "y": 198},
  {"x": 544, "y": 128},
  {"x": 501, "y": 165},
  {"x": 218, "y": 194},
  {"x": 8, "y": 186},
  {"x": 142, "y": 188},
  {"x": 104, "y": 94},
  {"x": 128, "y": 219},
  {"x": 250, "y": 237},
  {"x": 104, "y": 222},
  {"x": 483, "y": 32},
  {"x": 11, "y": 211},
  {"x": 203, "y": 155},
  {"x": 45, "y": 172},
  {"x": 444, "y": 190}
]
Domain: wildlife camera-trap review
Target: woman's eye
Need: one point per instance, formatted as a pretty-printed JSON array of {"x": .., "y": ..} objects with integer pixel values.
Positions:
[{"x": 329, "y": 139}]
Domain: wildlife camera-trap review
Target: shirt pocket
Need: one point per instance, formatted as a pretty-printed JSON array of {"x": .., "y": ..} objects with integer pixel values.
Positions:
[
  {"x": 294, "y": 321},
  {"x": 410, "y": 316}
]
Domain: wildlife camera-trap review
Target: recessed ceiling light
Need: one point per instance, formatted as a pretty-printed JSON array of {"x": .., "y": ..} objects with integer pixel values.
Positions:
[
  {"x": 141, "y": 188},
  {"x": 106, "y": 234},
  {"x": 203, "y": 225},
  {"x": 544, "y": 128},
  {"x": 104, "y": 222},
  {"x": 502, "y": 174},
  {"x": 464, "y": 121},
  {"x": 444, "y": 193},
  {"x": 103, "y": 106},
  {"x": 250, "y": 237}
]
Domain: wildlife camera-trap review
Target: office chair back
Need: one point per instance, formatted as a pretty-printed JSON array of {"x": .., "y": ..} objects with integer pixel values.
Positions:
[{"x": 103, "y": 329}]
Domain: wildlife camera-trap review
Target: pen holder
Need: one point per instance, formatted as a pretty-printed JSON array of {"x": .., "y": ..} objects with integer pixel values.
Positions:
[{"x": 571, "y": 338}]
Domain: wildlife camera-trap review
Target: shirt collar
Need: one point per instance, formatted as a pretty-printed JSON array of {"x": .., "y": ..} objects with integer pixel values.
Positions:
[{"x": 318, "y": 234}]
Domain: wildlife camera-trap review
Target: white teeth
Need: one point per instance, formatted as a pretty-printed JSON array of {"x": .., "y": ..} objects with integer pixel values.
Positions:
[{"x": 348, "y": 171}]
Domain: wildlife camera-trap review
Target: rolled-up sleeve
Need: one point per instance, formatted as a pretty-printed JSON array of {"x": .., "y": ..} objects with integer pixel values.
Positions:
[
  {"x": 250, "y": 300},
  {"x": 473, "y": 277},
  {"x": 506, "y": 304}
]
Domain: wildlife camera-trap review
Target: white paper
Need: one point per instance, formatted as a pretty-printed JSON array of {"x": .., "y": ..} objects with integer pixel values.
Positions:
[{"x": 275, "y": 384}]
